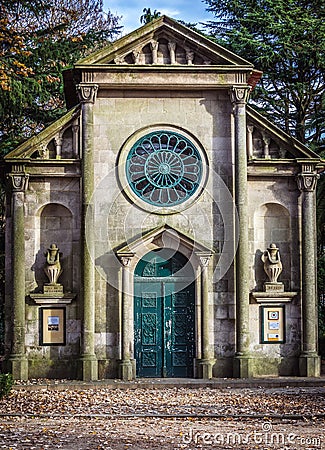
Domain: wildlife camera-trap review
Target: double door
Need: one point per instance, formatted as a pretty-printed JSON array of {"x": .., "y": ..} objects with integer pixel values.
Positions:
[{"x": 164, "y": 327}]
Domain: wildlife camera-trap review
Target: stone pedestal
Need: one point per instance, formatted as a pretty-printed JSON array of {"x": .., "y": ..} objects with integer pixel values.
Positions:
[
  {"x": 126, "y": 370},
  {"x": 205, "y": 367},
  {"x": 242, "y": 366},
  {"x": 17, "y": 365},
  {"x": 309, "y": 365},
  {"x": 89, "y": 367}
]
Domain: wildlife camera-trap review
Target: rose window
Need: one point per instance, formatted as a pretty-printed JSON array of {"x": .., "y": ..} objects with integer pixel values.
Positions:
[{"x": 164, "y": 168}]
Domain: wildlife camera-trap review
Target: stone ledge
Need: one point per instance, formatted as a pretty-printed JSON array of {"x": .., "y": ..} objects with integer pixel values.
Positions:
[
  {"x": 47, "y": 299},
  {"x": 273, "y": 297}
]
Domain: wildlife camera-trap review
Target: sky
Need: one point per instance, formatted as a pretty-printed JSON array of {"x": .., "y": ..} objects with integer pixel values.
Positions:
[{"x": 187, "y": 10}]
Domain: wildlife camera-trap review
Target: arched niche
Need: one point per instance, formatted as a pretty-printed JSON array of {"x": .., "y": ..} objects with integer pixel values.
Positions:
[
  {"x": 55, "y": 225},
  {"x": 272, "y": 224}
]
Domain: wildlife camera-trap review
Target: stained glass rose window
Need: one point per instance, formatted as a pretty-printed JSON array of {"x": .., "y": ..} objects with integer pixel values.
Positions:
[{"x": 164, "y": 168}]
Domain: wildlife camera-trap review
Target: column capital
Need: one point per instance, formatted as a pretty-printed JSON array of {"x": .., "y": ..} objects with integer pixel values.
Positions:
[
  {"x": 204, "y": 258},
  {"x": 307, "y": 181},
  {"x": 18, "y": 179},
  {"x": 87, "y": 92},
  {"x": 239, "y": 95},
  {"x": 125, "y": 258}
]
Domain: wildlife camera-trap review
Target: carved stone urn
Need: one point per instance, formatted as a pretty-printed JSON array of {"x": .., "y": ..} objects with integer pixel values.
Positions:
[{"x": 272, "y": 263}]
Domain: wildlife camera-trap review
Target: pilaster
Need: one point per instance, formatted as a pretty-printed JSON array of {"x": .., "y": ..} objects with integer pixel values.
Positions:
[
  {"x": 18, "y": 364},
  {"x": 309, "y": 364},
  {"x": 207, "y": 361},
  {"x": 126, "y": 367},
  {"x": 87, "y": 94},
  {"x": 239, "y": 96}
]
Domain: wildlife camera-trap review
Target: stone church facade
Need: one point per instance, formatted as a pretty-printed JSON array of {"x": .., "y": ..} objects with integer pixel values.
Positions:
[{"x": 162, "y": 227}]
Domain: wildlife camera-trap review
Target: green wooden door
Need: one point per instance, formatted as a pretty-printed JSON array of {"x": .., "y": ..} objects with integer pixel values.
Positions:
[{"x": 164, "y": 316}]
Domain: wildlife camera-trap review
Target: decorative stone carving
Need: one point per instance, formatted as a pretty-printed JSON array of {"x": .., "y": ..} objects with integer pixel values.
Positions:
[
  {"x": 272, "y": 263},
  {"x": 266, "y": 141},
  {"x": 53, "y": 266},
  {"x": 87, "y": 92},
  {"x": 154, "y": 49},
  {"x": 136, "y": 55},
  {"x": 19, "y": 180},
  {"x": 189, "y": 56},
  {"x": 307, "y": 181},
  {"x": 239, "y": 95},
  {"x": 120, "y": 59}
]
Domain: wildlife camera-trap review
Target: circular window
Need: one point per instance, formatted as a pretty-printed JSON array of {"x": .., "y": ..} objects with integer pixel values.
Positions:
[{"x": 164, "y": 168}]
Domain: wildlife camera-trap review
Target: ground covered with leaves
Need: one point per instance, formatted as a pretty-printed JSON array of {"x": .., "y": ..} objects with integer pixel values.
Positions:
[{"x": 164, "y": 418}]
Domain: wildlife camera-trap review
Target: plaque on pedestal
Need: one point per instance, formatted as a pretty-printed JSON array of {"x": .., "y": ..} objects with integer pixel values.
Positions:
[
  {"x": 54, "y": 288},
  {"x": 274, "y": 287}
]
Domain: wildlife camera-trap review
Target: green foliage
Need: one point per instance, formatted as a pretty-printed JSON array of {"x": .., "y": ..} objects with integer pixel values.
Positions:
[
  {"x": 149, "y": 16},
  {"x": 284, "y": 39},
  {"x": 6, "y": 383},
  {"x": 39, "y": 41}
]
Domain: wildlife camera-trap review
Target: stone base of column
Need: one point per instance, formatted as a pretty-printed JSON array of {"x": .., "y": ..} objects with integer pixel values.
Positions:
[
  {"x": 242, "y": 367},
  {"x": 126, "y": 370},
  {"x": 89, "y": 368},
  {"x": 17, "y": 365},
  {"x": 309, "y": 365},
  {"x": 205, "y": 367}
]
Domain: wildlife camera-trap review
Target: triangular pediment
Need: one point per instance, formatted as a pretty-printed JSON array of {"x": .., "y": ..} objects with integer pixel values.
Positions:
[
  {"x": 163, "y": 236},
  {"x": 270, "y": 141},
  {"x": 164, "y": 41}
]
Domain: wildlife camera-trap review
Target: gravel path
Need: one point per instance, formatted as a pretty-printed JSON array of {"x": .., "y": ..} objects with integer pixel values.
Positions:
[{"x": 168, "y": 419}]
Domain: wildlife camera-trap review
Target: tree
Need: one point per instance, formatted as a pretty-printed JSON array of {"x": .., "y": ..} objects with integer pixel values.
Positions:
[
  {"x": 39, "y": 39},
  {"x": 286, "y": 40},
  {"x": 148, "y": 16}
]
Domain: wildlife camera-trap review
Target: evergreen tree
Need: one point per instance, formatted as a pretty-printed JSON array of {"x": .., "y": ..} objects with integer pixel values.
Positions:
[
  {"x": 286, "y": 40},
  {"x": 149, "y": 16},
  {"x": 39, "y": 40}
]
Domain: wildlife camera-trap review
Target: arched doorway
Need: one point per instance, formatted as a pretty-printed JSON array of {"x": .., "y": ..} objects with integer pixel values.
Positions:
[{"x": 164, "y": 322}]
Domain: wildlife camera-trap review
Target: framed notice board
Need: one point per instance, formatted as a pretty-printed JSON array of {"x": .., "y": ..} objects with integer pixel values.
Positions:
[
  {"x": 52, "y": 326},
  {"x": 272, "y": 324}
]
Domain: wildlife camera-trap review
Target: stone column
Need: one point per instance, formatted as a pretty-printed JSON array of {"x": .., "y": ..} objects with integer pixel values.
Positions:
[
  {"x": 126, "y": 366},
  {"x": 18, "y": 364},
  {"x": 154, "y": 50},
  {"x": 58, "y": 146},
  {"x": 172, "y": 54},
  {"x": 250, "y": 129},
  {"x": 309, "y": 363},
  {"x": 75, "y": 140},
  {"x": 207, "y": 354},
  {"x": 239, "y": 96},
  {"x": 87, "y": 94}
]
